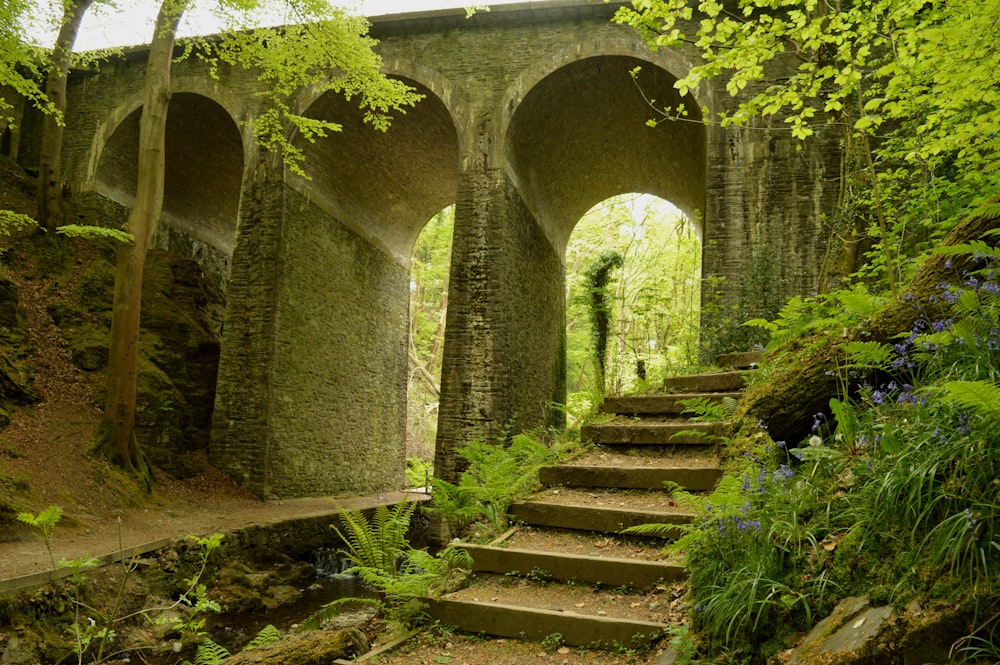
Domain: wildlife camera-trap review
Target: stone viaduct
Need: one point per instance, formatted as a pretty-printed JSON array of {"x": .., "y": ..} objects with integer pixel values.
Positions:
[{"x": 530, "y": 118}]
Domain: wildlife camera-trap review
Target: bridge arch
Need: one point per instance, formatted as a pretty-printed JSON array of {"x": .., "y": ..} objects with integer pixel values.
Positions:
[
  {"x": 580, "y": 135},
  {"x": 204, "y": 165},
  {"x": 384, "y": 186}
]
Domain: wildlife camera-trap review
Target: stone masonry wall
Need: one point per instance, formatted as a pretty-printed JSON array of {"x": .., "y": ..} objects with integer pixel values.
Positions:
[{"x": 311, "y": 389}]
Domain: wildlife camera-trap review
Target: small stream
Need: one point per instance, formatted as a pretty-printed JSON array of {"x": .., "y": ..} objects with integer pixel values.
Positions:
[{"x": 234, "y": 631}]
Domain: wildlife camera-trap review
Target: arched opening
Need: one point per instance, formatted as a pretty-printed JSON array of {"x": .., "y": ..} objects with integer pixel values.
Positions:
[
  {"x": 186, "y": 272},
  {"x": 579, "y": 136},
  {"x": 204, "y": 167},
  {"x": 429, "y": 274},
  {"x": 653, "y": 298}
]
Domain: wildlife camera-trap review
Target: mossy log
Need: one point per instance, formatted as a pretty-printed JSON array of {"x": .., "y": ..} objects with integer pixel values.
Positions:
[
  {"x": 315, "y": 647},
  {"x": 801, "y": 384}
]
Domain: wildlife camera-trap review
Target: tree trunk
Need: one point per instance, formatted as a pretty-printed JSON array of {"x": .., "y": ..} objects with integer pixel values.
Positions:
[
  {"x": 318, "y": 647},
  {"x": 50, "y": 200},
  {"x": 801, "y": 387},
  {"x": 123, "y": 361}
]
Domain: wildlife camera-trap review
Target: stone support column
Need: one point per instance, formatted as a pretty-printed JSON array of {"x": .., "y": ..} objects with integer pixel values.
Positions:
[
  {"x": 504, "y": 354},
  {"x": 312, "y": 380}
]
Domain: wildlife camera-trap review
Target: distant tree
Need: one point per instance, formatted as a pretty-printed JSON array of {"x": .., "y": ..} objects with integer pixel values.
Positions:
[
  {"x": 654, "y": 297},
  {"x": 329, "y": 50}
]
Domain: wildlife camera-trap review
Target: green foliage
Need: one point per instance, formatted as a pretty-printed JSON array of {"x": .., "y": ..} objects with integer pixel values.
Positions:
[
  {"x": 45, "y": 523},
  {"x": 378, "y": 542},
  {"x": 93, "y": 232},
  {"x": 596, "y": 277},
  {"x": 212, "y": 653},
  {"x": 910, "y": 86},
  {"x": 21, "y": 64},
  {"x": 429, "y": 271},
  {"x": 789, "y": 530},
  {"x": 653, "y": 298},
  {"x": 327, "y": 49},
  {"x": 11, "y": 222},
  {"x": 384, "y": 559},
  {"x": 497, "y": 476}
]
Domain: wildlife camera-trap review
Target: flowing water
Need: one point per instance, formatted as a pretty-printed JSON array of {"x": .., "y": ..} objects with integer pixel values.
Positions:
[{"x": 234, "y": 631}]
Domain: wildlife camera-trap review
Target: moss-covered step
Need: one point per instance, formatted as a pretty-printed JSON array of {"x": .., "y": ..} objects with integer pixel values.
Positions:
[
  {"x": 661, "y": 404},
  {"x": 652, "y": 432},
  {"x": 593, "y": 518},
  {"x": 610, "y": 571},
  {"x": 707, "y": 383},
  {"x": 540, "y": 624},
  {"x": 695, "y": 479}
]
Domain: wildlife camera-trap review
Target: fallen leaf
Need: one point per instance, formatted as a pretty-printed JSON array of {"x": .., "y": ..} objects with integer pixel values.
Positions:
[{"x": 579, "y": 604}]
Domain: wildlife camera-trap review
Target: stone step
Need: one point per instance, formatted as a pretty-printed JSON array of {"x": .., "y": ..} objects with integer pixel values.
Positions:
[
  {"x": 609, "y": 571},
  {"x": 695, "y": 479},
  {"x": 537, "y": 624},
  {"x": 707, "y": 383},
  {"x": 652, "y": 432},
  {"x": 592, "y": 518},
  {"x": 660, "y": 404},
  {"x": 739, "y": 360}
]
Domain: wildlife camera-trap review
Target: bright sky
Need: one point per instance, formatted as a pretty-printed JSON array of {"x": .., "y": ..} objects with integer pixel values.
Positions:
[{"x": 132, "y": 22}]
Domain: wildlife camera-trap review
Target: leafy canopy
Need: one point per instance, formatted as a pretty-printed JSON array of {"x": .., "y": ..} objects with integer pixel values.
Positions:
[
  {"x": 912, "y": 85},
  {"x": 323, "y": 48}
]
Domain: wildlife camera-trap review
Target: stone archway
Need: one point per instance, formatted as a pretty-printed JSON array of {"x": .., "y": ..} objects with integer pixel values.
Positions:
[
  {"x": 330, "y": 377},
  {"x": 578, "y": 136}
]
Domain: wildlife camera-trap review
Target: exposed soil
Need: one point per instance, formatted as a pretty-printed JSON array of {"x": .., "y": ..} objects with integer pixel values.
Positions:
[
  {"x": 432, "y": 648},
  {"x": 678, "y": 456},
  {"x": 589, "y": 544},
  {"x": 611, "y": 498},
  {"x": 661, "y": 604}
]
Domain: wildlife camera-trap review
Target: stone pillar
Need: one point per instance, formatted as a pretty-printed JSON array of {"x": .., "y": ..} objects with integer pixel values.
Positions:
[
  {"x": 312, "y": 380},
  {"x": 504, "y": 353}
]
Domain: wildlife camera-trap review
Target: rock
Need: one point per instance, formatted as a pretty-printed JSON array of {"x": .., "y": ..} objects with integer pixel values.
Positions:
[
  {"x": 281, "y": 595},
  {"x": 20, "y": 651},
  {"x": 849, "y": 635}
]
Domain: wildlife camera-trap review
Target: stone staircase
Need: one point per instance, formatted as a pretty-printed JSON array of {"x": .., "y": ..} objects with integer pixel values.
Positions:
[{"x": 567, "y": 576}]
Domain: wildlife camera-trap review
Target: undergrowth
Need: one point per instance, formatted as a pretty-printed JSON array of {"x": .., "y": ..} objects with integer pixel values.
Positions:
[{"x": 895, "y": 496}]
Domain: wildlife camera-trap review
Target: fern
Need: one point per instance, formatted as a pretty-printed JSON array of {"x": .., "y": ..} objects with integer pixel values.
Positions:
[
  {"x": 379, "y": 542},
  {"x": 209, "y": 653},
  {"x": 983, "y": 397},
  {"x": 333, "y": 608},
  {"x": 868, "y": 355},
  {"x": 267, "y": 635},
  {"x": 497, "y": 475}
]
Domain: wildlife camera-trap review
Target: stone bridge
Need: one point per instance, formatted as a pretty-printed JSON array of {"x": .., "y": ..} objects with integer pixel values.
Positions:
[{"x": 530, "y": 118}]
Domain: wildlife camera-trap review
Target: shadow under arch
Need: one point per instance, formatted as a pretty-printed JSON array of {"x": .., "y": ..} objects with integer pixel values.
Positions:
[
  {"x": 383, "y": 186},
  {"x": 580, "y": 135},
  {"x": 204, "y": 159}
]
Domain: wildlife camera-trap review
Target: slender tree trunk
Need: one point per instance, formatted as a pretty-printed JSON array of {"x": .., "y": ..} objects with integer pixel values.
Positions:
[
  {"x": 50, "y": 200},
  {"x": 123, "y": 363}
]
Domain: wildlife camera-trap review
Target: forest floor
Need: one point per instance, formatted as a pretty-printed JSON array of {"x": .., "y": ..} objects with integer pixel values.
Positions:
[{"x": 45, "y": 450}]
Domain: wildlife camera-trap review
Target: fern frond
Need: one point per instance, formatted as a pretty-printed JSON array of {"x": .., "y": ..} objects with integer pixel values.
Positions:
[
  {"x": 705, "y": 410},
  {"x": 868, "y": 355},
  {"x": 267, "y": 635},
  {"x": 211, "y": 653},
  {"x": 655, "y": 529},
  {"x": 332, "y": 609},
  {"x": 983, "y": 397}
]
